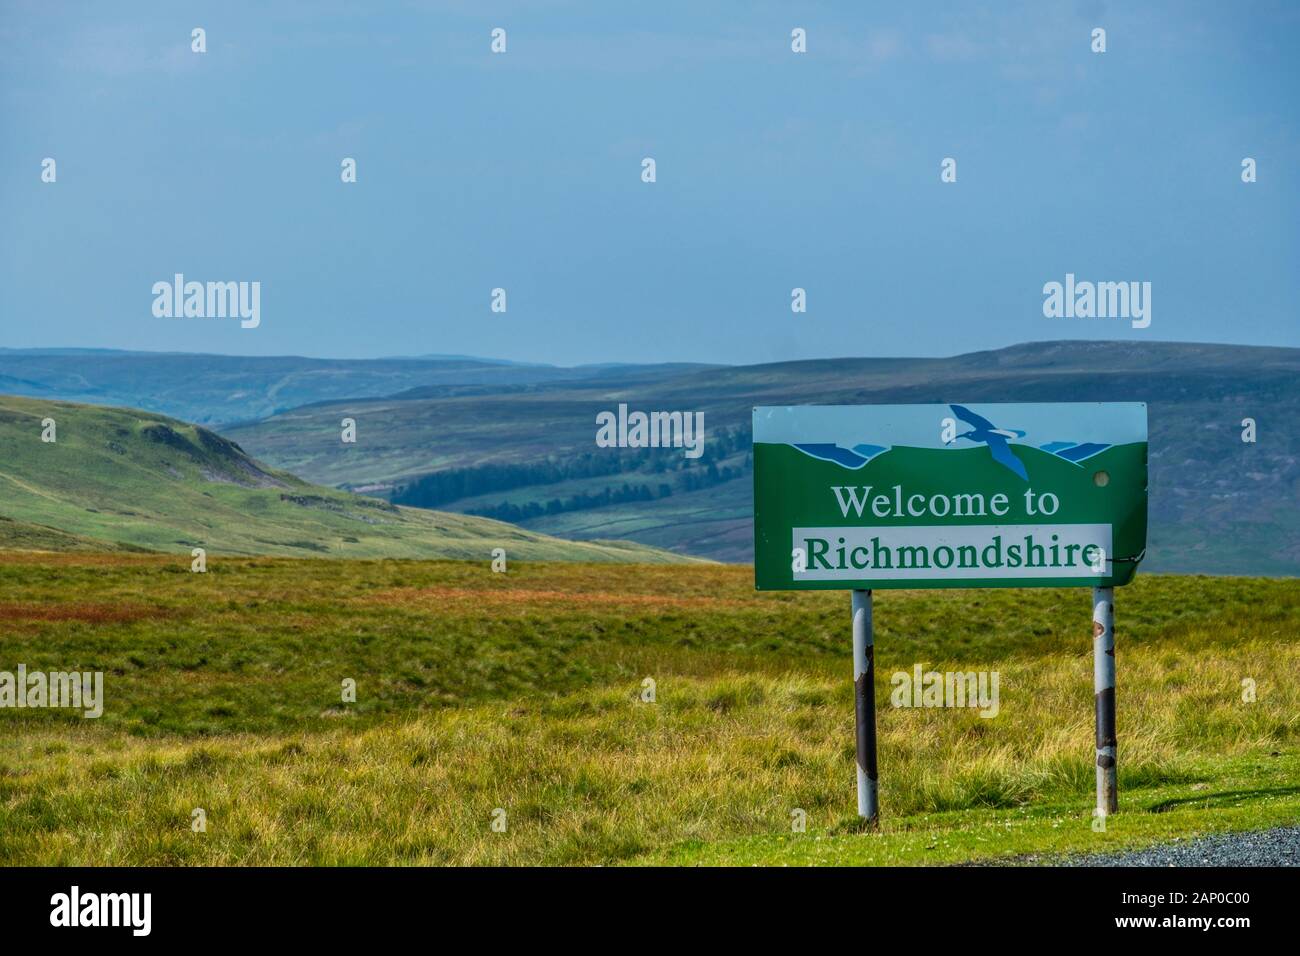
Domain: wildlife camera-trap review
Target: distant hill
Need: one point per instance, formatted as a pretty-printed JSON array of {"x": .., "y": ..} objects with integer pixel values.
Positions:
[
  {"x": 215, "y": 389},
  {"x": 120, "y": 479},
  {"x": 1217, "y": 505}
]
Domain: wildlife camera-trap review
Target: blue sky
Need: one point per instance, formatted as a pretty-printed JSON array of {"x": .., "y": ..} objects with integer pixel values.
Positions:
[{"x": 522, "y": 171}]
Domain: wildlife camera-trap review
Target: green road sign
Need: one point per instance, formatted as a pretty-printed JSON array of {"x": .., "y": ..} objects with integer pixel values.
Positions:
[{"x": 944, "y": 496}]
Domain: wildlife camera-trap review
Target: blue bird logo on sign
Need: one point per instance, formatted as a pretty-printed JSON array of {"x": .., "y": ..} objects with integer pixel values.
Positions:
[{"x": 996, "y": 438}]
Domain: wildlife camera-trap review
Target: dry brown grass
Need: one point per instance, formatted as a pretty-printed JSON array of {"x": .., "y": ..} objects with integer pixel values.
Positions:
[
  {"x": 522, "y": 598},
  {"x": 18, "y": 612}
]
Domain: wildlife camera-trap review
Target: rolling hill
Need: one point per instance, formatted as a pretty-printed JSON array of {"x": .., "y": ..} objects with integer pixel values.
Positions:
[
  {"x": 1218, "y": 505},
  {"x": 120, "y": 479},
  {"x": 215, "y": 389},
  {"x": 517, "y": 442}
]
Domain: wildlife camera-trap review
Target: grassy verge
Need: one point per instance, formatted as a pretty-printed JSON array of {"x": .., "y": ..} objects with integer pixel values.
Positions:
[{"x": 1252, "y": 792}]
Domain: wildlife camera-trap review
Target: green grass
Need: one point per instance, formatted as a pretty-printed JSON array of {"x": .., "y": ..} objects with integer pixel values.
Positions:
[
  {"x": 133, "y": 480},
  {"x": 521, "y": 691},
  {"x": 1239, "y": 793}
]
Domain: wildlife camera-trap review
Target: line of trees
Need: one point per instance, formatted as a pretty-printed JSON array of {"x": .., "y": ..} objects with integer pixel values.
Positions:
[
  {"x": 691, "y": 479},
  {"x": 578, "y": 502},
  {"x": 445, "y": 487}
]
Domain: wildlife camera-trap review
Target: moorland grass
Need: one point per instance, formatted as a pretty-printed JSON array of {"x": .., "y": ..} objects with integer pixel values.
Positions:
[{"x": 523, "y": 691}]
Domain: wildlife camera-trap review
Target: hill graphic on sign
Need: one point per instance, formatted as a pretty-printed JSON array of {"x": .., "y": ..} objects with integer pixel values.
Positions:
[
  {"x": 854, "y": 457},
  {"x": 998, "y": 440},
  {"x": 1076, "y": 452}
]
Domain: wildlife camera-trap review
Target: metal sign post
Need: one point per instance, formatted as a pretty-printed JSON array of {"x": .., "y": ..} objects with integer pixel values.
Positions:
[
  {"x": 1103, "y": 684},
  {"x": 864, "y": 698}
]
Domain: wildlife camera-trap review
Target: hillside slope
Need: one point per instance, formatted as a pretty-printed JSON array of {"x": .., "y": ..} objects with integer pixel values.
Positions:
[
  {"x": 1218, "y": 505},
  {"x": 120, "y": 479}
]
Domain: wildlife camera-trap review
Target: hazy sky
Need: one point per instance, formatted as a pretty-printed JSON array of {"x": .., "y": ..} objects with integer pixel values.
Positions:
[{"x": 522, "y": 170}]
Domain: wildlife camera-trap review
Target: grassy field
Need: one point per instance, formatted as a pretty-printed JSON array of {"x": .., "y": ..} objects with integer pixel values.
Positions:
[{"x": 523, "y": 691}]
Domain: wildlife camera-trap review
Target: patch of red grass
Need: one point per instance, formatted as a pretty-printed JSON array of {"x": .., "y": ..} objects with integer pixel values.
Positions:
[
  {"x": 499, "y": 598},
  {"x": 12, "y": 611},
  {"x": 87, "y": 558}
]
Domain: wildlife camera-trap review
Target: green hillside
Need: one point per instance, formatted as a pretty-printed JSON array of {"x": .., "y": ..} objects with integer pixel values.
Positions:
[{"x": 119, "y": 479}]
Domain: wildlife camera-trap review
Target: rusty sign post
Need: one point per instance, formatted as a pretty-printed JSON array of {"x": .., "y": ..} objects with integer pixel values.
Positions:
[{"x": 867, "y": 497}]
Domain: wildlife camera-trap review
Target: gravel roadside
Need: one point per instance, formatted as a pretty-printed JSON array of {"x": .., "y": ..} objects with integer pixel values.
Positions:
[{"x": 1278, "y": 847}]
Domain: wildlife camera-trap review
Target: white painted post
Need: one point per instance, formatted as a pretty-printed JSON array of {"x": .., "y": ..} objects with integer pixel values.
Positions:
[
  {"x": 864, "y": 698},
  {"x": 1103, "y": 684}
]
